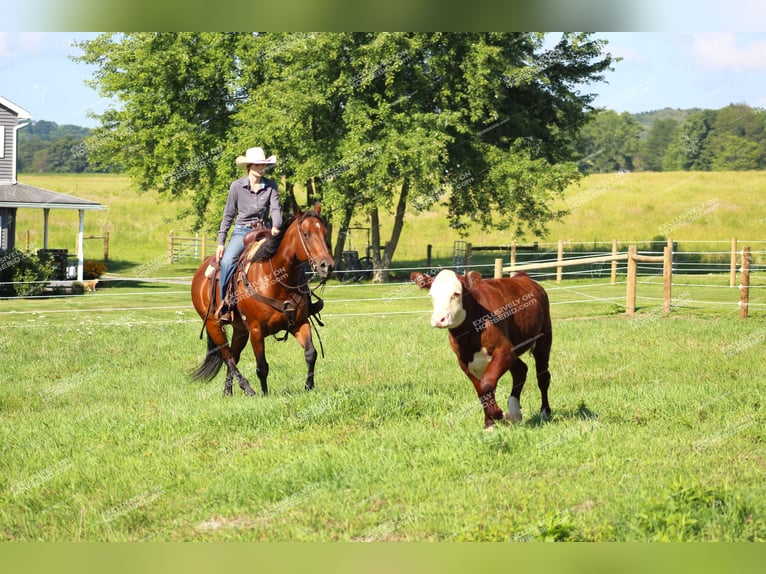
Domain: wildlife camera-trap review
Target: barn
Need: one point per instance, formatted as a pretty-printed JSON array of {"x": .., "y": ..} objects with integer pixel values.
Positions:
[{"x": 15, "y": 195}]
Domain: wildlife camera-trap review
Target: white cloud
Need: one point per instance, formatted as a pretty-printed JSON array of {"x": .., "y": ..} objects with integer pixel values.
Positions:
[
  {"x": 31, "y": 42},
  {"x": 720, "y": 52},
  {"x": 4, "y": 50}
]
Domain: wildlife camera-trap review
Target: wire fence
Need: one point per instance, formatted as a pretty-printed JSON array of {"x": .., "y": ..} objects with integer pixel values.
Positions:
[{"x": 701, "y": 284}]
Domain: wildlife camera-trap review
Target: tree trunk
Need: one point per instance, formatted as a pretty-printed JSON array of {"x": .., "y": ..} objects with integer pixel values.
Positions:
[
  {"x": 375, "y": 238},
  {"x": 310, "y": 193},
  {"x": 340, "y": 243},
  {"x": 383, "y": 273},
  {"x": 290, "y": 201}
]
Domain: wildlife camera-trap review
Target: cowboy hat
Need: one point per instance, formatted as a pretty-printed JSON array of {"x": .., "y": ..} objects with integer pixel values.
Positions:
[{"x": 255, "y": 155}]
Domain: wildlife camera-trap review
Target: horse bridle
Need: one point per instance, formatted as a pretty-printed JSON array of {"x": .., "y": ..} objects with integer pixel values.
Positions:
[{"x": 308, "y": 256}]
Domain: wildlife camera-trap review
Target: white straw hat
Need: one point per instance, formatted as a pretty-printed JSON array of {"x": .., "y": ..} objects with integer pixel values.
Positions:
[{"x": 255, "y": 155}]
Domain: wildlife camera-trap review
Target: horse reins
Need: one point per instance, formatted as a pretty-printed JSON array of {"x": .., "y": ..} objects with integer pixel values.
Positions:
[{"x": 288, "y": 308}]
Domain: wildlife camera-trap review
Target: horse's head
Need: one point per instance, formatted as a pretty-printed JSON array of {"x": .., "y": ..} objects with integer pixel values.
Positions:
[{"x": 312, "y": 233}]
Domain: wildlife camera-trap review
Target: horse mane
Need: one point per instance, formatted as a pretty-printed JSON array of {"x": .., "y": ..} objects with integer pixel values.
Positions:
[{"x": 271, "y": 245}]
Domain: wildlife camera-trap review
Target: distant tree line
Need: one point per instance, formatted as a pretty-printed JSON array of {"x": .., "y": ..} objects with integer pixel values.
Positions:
[
  {"x": 731, "y": 138},
  {"x": 46, "y": 147}
]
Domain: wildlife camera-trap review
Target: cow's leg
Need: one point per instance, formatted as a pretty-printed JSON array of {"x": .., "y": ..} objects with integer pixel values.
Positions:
[
  {"x": 519, "y": 374},
  {"x": 542, "y": 352},
  {"x": 490, "y": 372}
]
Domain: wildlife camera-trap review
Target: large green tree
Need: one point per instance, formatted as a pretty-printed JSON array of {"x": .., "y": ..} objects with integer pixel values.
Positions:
[{"x": 365, "y": 121}]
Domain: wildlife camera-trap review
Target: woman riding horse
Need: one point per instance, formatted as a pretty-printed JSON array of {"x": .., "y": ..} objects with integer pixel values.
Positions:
[{"x": 272, "y": 295}]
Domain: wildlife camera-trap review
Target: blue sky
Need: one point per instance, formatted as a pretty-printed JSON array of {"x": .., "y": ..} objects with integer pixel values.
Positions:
[{"x": 658, "y": 69}]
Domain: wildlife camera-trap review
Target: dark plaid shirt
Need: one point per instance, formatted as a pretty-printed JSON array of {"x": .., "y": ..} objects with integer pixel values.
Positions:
[{"x": 250, "y": 206}]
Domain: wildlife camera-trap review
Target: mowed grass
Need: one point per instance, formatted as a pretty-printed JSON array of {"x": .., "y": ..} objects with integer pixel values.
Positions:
[{"x": 657, "y": 430}]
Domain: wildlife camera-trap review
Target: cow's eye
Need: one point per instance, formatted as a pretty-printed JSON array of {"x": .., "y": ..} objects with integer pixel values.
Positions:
[{"x": 456, "y": 295}]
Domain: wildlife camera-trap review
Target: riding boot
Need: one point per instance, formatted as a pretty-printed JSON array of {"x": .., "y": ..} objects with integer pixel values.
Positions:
[{"x": 224, "y": 313}]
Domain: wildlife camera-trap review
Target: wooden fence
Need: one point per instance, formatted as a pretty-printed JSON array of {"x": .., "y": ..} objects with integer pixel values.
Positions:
[
  {"x": 187, "y": 248},
  {"x": 632, "y": 257}
]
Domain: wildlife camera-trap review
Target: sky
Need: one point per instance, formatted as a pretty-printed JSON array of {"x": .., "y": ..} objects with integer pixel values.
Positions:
[{"x": 657, "y": 70}]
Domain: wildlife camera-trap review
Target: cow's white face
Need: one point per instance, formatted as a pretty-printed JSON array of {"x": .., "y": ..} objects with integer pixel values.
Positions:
[{"x": 447, "y": 299}]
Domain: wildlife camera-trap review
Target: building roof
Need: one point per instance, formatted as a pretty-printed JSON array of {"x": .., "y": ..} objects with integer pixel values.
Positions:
[
  {"x": 19, "y": 111},
  {"x": 22, "y": 195}
]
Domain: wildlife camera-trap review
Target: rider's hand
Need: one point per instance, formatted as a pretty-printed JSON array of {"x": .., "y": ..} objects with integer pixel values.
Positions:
[
  {"x": 274, "y": 231},
  {"x": 219, "y": 253}
]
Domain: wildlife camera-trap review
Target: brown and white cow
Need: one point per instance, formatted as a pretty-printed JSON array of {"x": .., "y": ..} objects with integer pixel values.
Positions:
[{"x": 491, "y": 323}]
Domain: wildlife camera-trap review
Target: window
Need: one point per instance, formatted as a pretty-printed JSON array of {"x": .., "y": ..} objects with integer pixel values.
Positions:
[{"x": 2, "y": 142}]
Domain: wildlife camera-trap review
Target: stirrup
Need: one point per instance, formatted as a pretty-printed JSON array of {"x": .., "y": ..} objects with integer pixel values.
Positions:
[{"x": 224, "y": 313}]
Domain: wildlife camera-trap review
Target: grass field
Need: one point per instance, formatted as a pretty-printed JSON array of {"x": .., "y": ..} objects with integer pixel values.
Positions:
[{"x": 657, "y": 431}]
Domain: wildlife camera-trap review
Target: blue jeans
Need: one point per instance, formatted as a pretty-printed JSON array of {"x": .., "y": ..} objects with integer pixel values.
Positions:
[{"x": 231, "y": 255}]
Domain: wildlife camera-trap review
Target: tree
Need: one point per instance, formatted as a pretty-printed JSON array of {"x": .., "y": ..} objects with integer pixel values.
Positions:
[
  {"x": 736, "y": 153},
  {"x": 690, "y": 148},
  {"x": 737, "y": 139},
  {"x": 655, "y": 146},
  {"x": 609, "y": 143},
  {"x": 366, "y": 121}
]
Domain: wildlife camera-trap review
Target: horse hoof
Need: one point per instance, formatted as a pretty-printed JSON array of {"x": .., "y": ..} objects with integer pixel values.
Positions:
[{"x": 545, "y": 416}]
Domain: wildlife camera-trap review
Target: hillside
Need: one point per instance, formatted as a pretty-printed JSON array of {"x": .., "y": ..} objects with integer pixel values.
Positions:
[
  {"x": 647, "y": 119},
  {"x": 705, "y": 206}
]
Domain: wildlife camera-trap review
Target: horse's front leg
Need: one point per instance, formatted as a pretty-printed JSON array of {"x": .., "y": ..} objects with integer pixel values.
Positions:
[
  {"x": 303, "y": 336},
  {"x": 259, "y": 350}
]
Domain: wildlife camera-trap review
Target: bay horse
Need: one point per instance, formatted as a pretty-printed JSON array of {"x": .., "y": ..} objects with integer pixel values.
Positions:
[{"x": 272, "y": 295}]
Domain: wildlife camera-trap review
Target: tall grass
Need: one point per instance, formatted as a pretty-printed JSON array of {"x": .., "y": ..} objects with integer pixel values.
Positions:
[{"x": 701, "y": 206}]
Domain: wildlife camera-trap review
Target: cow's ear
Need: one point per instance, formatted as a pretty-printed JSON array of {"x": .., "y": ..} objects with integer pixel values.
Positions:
[
  {"x": 423, "y": 281},
  {"x": 472, "y": 277}
]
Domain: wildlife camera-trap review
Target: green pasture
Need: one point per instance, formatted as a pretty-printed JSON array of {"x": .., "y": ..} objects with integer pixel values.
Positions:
[
  {"x": 657, "y": 428},
  {"x": 705, "y": 207}
]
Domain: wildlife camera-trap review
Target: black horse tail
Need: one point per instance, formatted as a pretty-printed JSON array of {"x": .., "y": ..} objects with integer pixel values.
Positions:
[{"x": 212, "y": 365}]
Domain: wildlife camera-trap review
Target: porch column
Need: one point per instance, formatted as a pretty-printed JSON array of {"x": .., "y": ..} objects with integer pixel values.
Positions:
[
  {"x": 46, "y": 215},
  {"x": 80, "y": 254}
]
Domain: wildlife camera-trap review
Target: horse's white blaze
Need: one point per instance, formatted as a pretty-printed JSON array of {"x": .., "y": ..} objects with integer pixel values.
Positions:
[
  {"x": 447, "y": 299},
  {"x": 480, "y": 362},
  {"x": 514, "y": 409}
]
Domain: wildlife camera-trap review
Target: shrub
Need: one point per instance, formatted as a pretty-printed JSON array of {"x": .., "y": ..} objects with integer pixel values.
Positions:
[
  {"x": 92, "y": 269},
  {"x": 31, "y": 274}
]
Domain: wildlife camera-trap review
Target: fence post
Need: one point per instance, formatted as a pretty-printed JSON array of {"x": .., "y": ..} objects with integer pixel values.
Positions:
[
  {"x": 513, "y": 255},
  {"x": 614, "y": 263},
  {"x": 733, "y": 269},
  {"x": 498, "y": 268},
  {"x": 560, "y": 258},
  {"x": 204, "y": 247},
  {"x": 467, "y": 258},
  {"x": 429, "y": 248},
  {"x": 630, "y": 295},
  {"x": 744, "y": 288},
  {"x": 170, "y": 248},
  {"x": 106, "y": 246},
  {"x": 667, "y": 279}
]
